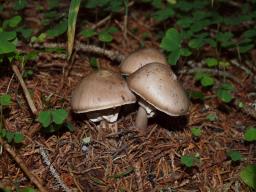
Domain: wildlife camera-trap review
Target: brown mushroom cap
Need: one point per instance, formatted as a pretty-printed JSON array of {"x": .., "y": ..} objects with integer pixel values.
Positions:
[
  {"x": 158, "y": 85},
  {"x": 140, "y": 58},
  {"x": 101, "y": 90}
]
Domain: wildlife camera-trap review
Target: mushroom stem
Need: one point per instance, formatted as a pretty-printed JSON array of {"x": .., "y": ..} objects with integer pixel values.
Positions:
[{"x": 141, "y": 118}]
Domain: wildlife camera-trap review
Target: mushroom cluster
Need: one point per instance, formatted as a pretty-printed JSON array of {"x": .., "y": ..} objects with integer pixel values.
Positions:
[{"x": 101, "y": 94}]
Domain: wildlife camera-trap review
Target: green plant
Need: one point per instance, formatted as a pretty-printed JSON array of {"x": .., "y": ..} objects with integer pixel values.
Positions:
[
  {"x": 190, "y": 160},
  {"x": 250, "y": 134},
  {"x": 234, "y": 155},
  {"x": 52, "y": 120},
  {"x": 248, "y": 175},
  {"x": 196, "y": 131},
  {"x": 196, "y": 95},
  {"x": 225, "y": 92},
  {"x": 72, "y": 16},
  {"x": 171, "y": 43},
  {"x": 205, "y": 79},
  {"x": 105, "y": 35},
  {"x": 5, "y": 100},
  {"x": 9, "y": 136},
  {"x": 212, "y": 117}
]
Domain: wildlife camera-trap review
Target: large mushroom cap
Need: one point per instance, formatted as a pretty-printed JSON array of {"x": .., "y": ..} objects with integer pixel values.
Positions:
[
  {"x": 101, "y": 90},
  {"x": 158, "y": 85},
  {"x": 140, "y": 58}
]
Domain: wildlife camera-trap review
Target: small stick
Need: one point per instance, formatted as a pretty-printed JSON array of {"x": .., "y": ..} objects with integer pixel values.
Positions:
[
  {"x": 25, "y": 90},
  {"x": 19, "y": 161},
  {"x": 113, "y": 55},
  {"x": 53, "y": 171}
]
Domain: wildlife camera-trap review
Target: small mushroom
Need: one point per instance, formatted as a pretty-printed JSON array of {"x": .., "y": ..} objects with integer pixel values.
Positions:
[
  {"x": 158, "y": 88},
  {"x": 100, "y": 96},
  {"x": 140, "y": 58}
]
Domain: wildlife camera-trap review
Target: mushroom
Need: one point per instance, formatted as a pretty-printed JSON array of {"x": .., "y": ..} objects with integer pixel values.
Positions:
[
  {"x": 158, "y": 88},
  {"x": 100, "y": 95},
  {"x": 140, "y": 58}
]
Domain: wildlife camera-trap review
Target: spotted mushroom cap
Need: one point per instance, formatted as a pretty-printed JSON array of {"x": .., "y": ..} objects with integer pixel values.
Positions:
[
  {"x": 156, "y": 84},
  {"x": 101, "y": 90},
  {"x": 139, "y": 58}
]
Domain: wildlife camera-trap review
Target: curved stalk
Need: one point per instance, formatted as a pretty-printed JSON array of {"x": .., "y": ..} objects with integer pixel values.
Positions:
[{"x": 141, "y": 118}]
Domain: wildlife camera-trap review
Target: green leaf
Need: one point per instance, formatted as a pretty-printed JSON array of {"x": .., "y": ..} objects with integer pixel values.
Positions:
[
  {"x": 224, "y": 36},
  {"x": 87, "y": 33},
  {"x": 53, "y": 4},
  {"x": 58, "y": 29},
  {"x": 14, "y": 21},
  {"x": 250, "y": 134},
  {"x": 9, "y": 136},
  {"x": 7, "y": 47},
  {"x": 248, "y": 175},
  {"x": 26, "y": 33},
  {"x": 105, "y": 37},
  {"x": 171, "y": 41},
  {"x": 173, "y": 57},
  {"x": 228, "y": 86},
  {"x": 72, "y": 16},
  {"x": 18, "y": 137},
  {"x": 3, "y": 132},
  {"x": 207, "y": 81},
  {"x": 5, "y": 100},
  {"x": 20, "y": 4},
  {"x": 225, "y": 92},
  {"x": 94, "y": 63},
  {"x": 234, "y": 155},
  {"x": 211, "y": 62},
  {"x": 59, "y": 115},
  {"x": 224, "y": 95},
  {"x": 249, "y": 33},
  {"x": 28, "y": 189},
  {"x": 7, "y": 36},
  {"x": 110, "y": 30},
  {"x": 189, "y": 161},
  {"x": 41, "y": 38},
  {"x": 245, "y": 48},
  {"x": 44, "y": 117},
  {"x": 212, "y": 117},
  {"x": 211, "y": 42},
  {"x": 196, "y": 95},
  {"x": 224, "y": 64},
  {"x": 164, "y": 14},
  {"x": 185, "y": 52},
  {"x": 196, "y": 43},
  {"x": 196, "y": 131},
  {"x": 199, "y": 75},
  {"x": 184, "y": 22},
  {"x": 199, "y": 26}
]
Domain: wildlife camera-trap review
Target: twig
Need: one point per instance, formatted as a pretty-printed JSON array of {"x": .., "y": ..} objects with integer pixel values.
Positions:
[
  {"x": 212, "y": 71},
  {"x": 53, "y": 171},
  {"x": 101, "y": 22},
  {"x": 25, "y": 90},
  {"x": 9, "y": 84},
  {"x": 113, "y": 55},
  {"x": 19, "y": 161},
  {"x": 244, "y": 68}
]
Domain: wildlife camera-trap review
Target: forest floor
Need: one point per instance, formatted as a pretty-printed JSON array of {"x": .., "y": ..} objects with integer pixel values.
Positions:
[{"x": 128, "y": 160}]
